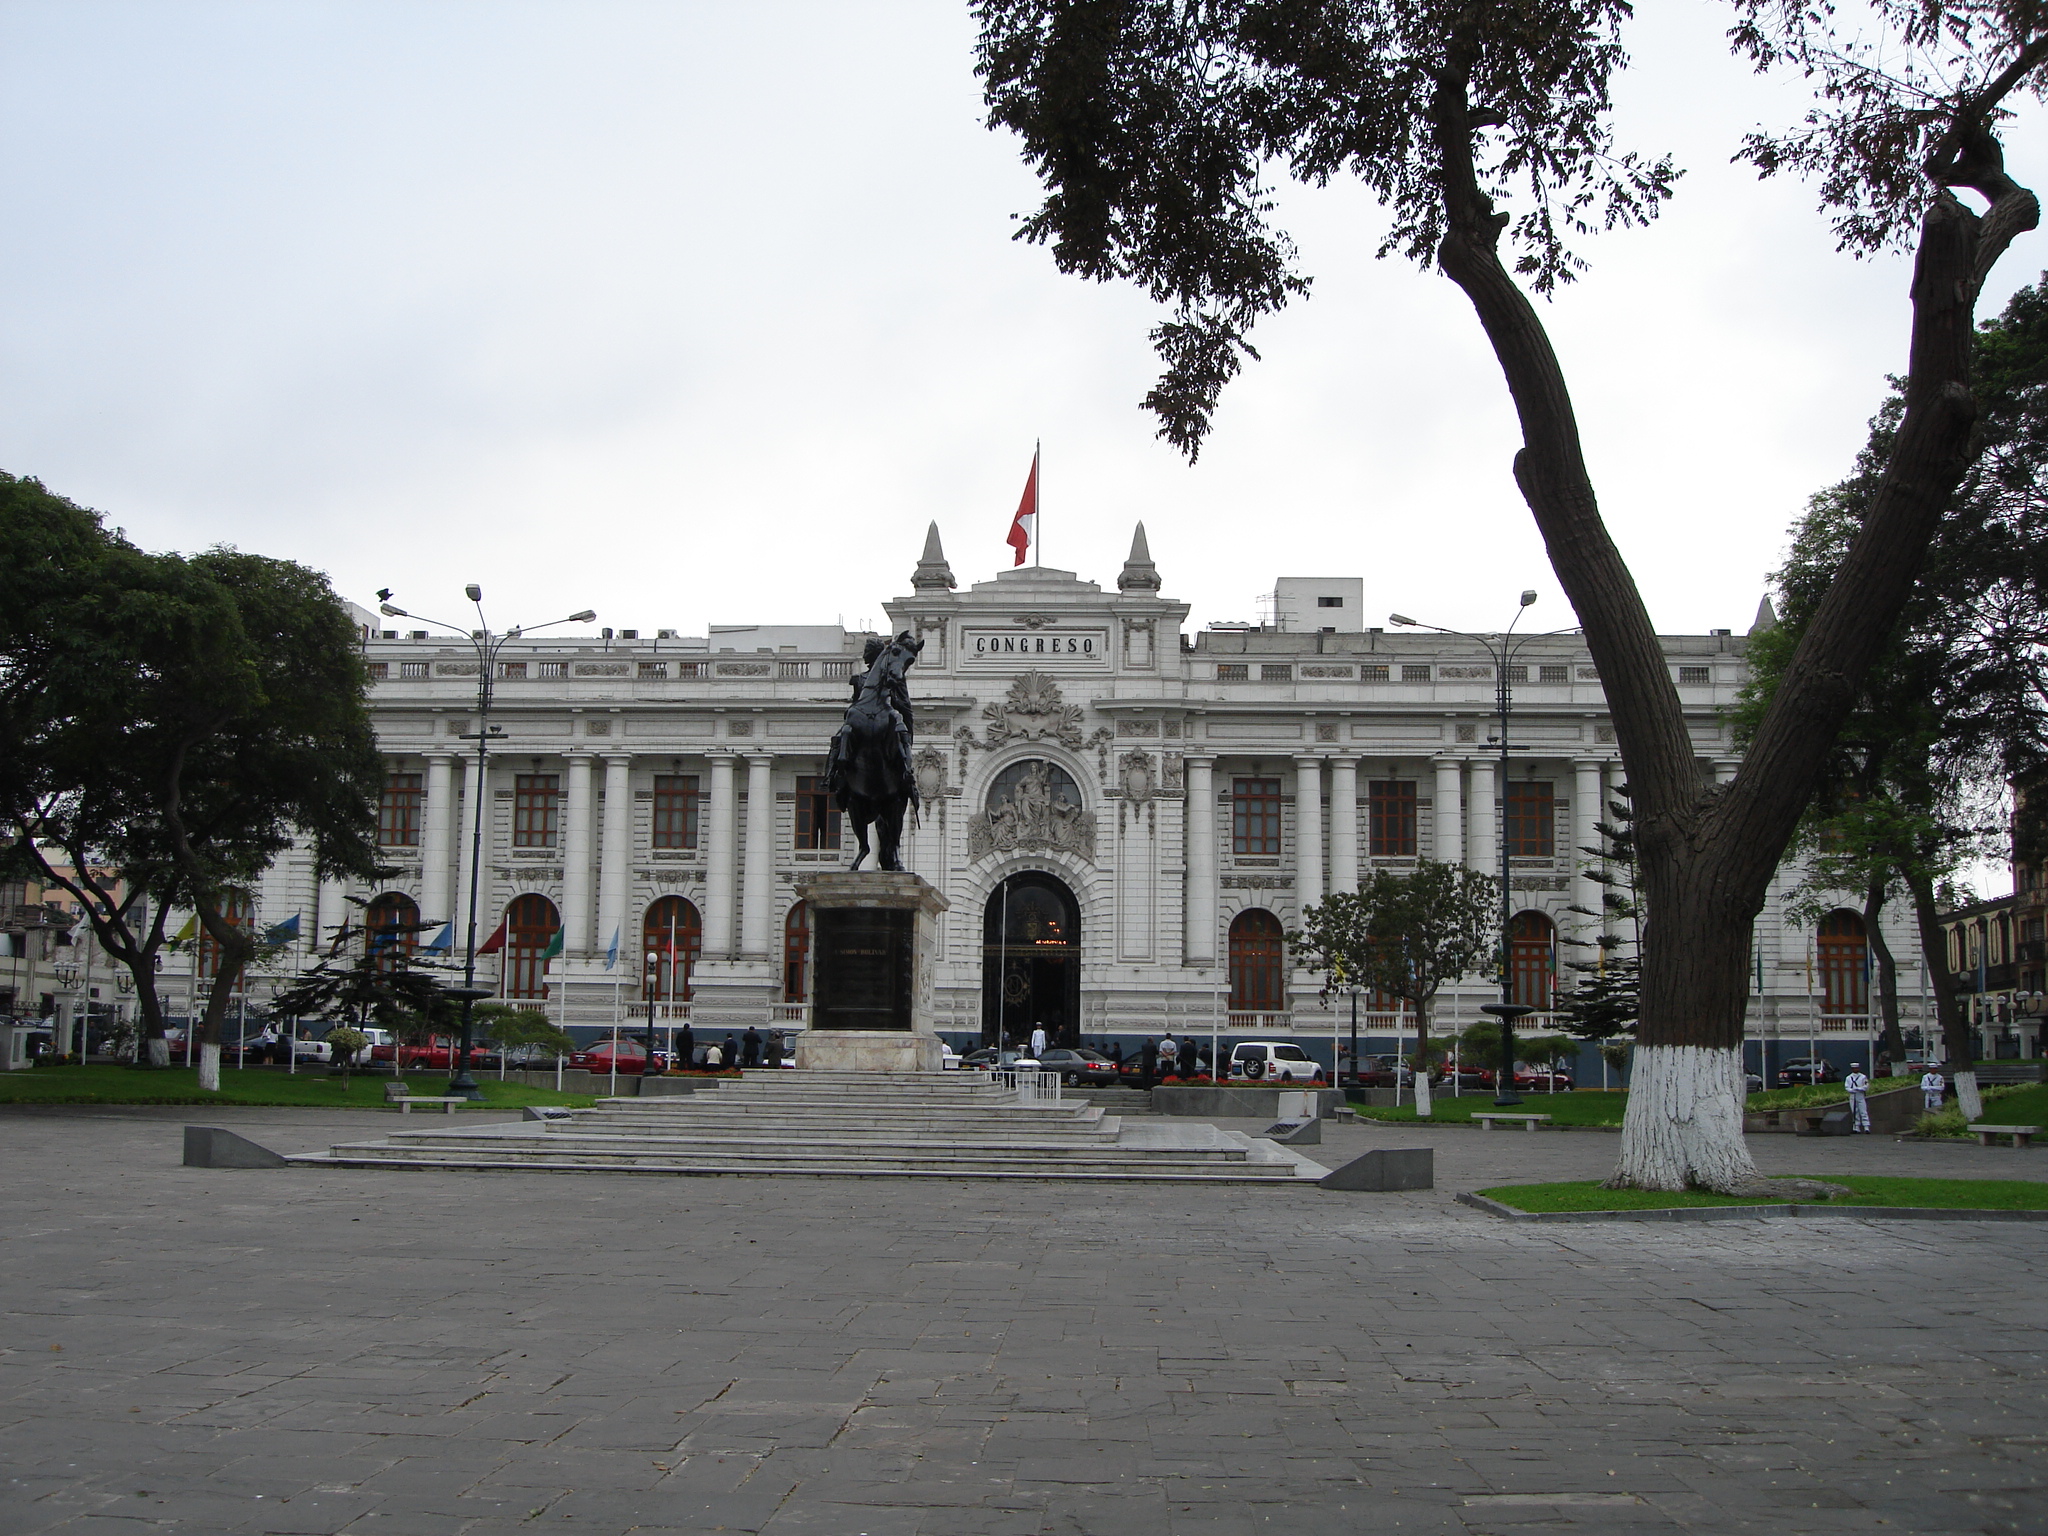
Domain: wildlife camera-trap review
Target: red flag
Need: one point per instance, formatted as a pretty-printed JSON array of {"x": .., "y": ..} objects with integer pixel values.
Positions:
[
  {"x": 1024, "y": 526},
  {"x": 495, "y": 942}
]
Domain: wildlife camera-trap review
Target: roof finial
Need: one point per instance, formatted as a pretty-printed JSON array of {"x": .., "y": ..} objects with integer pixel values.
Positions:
[
  {"x": 1766, "y": 616},
  {"x": 932, "y": 573},
  {"x": 1139, "y": 573}
]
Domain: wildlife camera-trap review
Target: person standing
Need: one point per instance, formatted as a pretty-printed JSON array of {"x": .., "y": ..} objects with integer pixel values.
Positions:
[
  {"x": 685, "y": 1048},
  {"x": 750, "y": 1047},
  {"x": 1148, "y": 1061},
  {"x": 730, "y": 1052},
  {"x": 1858, "y": 1085},
  {"x": 1932, "y": 1086},
  {"x": 1169, "y": 1057},
  {"x": 1037, "y": 1041}
]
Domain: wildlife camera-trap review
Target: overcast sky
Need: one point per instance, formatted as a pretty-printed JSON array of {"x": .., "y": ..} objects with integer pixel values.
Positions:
[{"x": 698, "y": 312}]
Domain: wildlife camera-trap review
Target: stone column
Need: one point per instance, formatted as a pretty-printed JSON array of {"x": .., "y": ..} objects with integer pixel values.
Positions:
[
  {"x": 1308, "y": 831},
  {"x": 576, "y": 868},
  {"x": 474, "y": 793},
  {"x": 1724, "y": 770},
  {"x": 437, "y": 852},
  {"x": 1200, "y": 938},
  {"x": 1449, "y": 843},
  {"x": 760, "y": 874},
  {"x": 720, "y": 862},
  {"x": 615, "y": 864},
  {"x": 333, "y": 913},
  {"x": 1343, "y": 824},
  {"x": 1586, "y": 892},
  {"x": 1481, "y": 852}
]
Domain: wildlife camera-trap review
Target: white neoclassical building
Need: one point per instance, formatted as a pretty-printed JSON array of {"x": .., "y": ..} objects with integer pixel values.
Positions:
[{"x": 1124, "y": 818}]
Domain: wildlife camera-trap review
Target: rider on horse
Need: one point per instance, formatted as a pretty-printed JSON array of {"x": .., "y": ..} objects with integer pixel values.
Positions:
[{"x": 868, "y": 769}]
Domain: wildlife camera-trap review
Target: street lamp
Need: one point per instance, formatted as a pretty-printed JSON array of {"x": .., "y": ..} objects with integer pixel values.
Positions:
[
  {"x": 1502, "y": 649},
  {"x": 487, "y": 646}
]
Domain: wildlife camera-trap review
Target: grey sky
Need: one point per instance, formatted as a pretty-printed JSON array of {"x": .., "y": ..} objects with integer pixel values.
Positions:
[{"x": 698, "y": 312}]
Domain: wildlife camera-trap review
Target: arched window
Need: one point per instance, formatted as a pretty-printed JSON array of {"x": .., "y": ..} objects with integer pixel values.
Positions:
[
  {"x": 1532, "y": 959},
  {"x": 531, "y": 924},
  {"x": 1843, "y": 951},
  {"x": 671, "y": 938},
  {"x": 796, "y": 954},
  {"x": 1258, "y": 963},
  {"x": 238, "y": 909},
  {"x": 391, "y": 927}
]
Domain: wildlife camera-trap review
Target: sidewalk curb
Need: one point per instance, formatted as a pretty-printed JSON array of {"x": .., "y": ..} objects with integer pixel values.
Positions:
[{"x": 1751, "y": 1212}]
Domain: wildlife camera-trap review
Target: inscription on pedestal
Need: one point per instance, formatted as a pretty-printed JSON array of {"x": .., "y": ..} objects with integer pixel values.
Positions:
[{"x": 866, "y": 968}]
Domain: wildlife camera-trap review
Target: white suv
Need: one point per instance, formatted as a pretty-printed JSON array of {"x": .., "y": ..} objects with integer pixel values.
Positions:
[{"x": 1271, "y": 1061}]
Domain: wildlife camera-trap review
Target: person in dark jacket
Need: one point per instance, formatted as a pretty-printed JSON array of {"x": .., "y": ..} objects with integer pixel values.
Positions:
[
  {"x": 686, "y": 1048},
  {"x": 1148, "y": 1062},
  {"x": 750, "y": 1052},
  {"x": 731, "y": 1054}
]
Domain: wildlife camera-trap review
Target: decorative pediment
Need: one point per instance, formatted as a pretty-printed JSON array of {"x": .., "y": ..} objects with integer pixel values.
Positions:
[{"x": 1035, "y": 710}]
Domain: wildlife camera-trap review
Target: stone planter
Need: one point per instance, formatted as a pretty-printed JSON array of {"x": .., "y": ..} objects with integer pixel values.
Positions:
[{"x": 1243, "y": 1103}]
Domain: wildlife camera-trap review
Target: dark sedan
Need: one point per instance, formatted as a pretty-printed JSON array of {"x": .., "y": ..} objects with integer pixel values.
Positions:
[
  {"x": 1805, "y": 1071},
  {"x": 1080, "y": 1067}
]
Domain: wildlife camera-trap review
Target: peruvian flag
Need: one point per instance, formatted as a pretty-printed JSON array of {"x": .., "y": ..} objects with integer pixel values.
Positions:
[
  {"x": 496, "y": 941},
  {"x": 1024, "y": 526}
]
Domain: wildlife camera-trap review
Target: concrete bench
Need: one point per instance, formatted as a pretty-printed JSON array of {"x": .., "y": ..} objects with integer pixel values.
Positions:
[
  {"x": 2022, "y": 1135},
  {"x": 1527, "y": 1122},
  {"x": 447, "y": 1104}
]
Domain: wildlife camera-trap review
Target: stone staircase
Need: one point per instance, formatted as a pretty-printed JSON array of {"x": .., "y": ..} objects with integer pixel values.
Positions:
[
  {"x": 921, "y": 1125},
  {"x": 1119, "y": 1101}
]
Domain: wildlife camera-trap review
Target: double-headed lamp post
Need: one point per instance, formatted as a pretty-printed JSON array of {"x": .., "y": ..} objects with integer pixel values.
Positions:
[
  {"x": 487, "y": 646},
  {"x": 1502, "y": 649}
]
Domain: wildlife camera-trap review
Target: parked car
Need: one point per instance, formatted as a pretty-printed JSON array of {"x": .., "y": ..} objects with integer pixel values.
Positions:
[
  {"x": 1751, "y": 1083},
  {"x": 1542, "y": 1080},
  {"x": 631, "y": 1054},
  {"x": 1380, "y": 1072},
  {"x": 1273, "y": 1061},
  {"x": 989, "y": 1057},
  {"x": 1080, "y": 1067},
  {"x": 1806, "y": 1070}
]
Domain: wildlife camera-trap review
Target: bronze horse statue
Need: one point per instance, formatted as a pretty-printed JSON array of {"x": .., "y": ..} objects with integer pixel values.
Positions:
[{"x": 868, "y": 770}]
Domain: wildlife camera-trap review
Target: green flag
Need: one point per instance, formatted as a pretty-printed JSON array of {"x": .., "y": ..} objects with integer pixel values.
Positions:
[{"x": 554, "y": 946}]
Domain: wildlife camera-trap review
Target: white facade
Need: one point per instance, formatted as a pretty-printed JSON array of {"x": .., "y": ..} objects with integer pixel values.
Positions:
[{"x": 1148, "y": 736}]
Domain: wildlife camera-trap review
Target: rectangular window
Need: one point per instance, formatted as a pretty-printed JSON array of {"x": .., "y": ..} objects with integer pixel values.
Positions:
[
  {"x": 1372, "y": 674},
  {"x": 817, "y": 819},
  {"x": 1329, "y": 602},
  {"x": 536, "y": 805},
  {"x": 1255, "y": 815},
  {"x": 1517, "y": 674},
  {"x": 378, "y": 670},
  {"x": 412, "y": 669},
  {"x": 1390, "y": 806},
  {"x": 1231, "y": 672},
  {"x": 398, "y": 811},
  {"x": 675, "y": 810},
  {"x": 1529, "y": 820},
  {"x": 1276, "y": 672},
  {"x": 553, "y": 669},
  {"x": 1558, "y": 674},
  {"x": 1695, "y": 675},
  {"x": 654, "y": 669},
  {"x": 1415, "y": 674},
  {"x": 511, "y": 669}
]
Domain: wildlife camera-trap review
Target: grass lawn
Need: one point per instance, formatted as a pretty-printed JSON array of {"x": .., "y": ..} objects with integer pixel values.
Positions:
[
  {"x": 1939, "y": 1194},
  {"x": 1563, "y": 1108},
  {"x": 180, "y": 1085},
  {"x": 2019, "y": 1106}
]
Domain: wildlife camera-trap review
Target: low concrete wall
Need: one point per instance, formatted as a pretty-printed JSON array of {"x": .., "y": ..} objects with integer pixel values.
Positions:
[
  {"x": 1891, "y": 1113},
  {"x": 1245, "y": 1103}
]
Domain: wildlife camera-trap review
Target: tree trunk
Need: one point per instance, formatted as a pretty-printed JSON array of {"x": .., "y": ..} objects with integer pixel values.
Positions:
[
  {"x": 1425, "y": 1109},
  {"x": 1706, "y": 853},
  {"x": 1958, "y": 1040},
  {"x": 1894, "y": 1043}
]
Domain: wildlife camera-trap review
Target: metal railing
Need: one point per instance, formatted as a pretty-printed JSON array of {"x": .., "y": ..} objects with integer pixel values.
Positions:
[{"x": 1032, "y": 1086}]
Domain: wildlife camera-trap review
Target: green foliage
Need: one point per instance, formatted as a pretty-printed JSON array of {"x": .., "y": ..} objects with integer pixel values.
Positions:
[
  {"x": 1546, "y": 1050},
  {"x": 1404, "y": 933},
  {"x": 1155, "y": 125},
  {"x": 1606, "y": 1002},
  {"x": 256, "y": 1085},
  {"x": 508, "y": 1027},
  {"x": 1923, "y": 1194}
]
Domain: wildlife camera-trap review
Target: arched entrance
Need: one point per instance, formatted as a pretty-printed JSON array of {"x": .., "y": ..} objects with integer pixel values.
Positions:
[
  {"x": 671, "y": 938},
  {"x": 1031, "y": 960},
  {"x": 531, "y": 923},
  {"x": 1258, "y": 963},
  {"x": 1533, "y": 959}
]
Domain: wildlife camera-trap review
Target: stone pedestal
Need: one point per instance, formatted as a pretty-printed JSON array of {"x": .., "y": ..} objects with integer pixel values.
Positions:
[{"x": 874, "y": 950}]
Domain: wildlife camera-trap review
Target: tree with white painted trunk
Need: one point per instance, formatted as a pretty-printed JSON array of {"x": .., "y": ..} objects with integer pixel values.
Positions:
[{"x": 1154, "y": 124}]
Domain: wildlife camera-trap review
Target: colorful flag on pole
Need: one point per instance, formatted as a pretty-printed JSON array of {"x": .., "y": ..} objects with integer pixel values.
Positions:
[
  {"x": 189, "y": 932},
  {"x": 284, "y": 932},
  {"x": 611, "y": 956},
  {"x": 1024, "y": 526},
  {"x": 443, "y": 942},
  {"x": 495, "y": 942},
  {"x": 554, "y": 946}
]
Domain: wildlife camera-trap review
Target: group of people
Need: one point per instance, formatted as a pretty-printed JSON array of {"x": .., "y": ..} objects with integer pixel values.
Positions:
[
  {"x": 748, "y": 1050},
  {"x": 1933, "y": 1087},
  {"x": 1157, "y": 1059}
]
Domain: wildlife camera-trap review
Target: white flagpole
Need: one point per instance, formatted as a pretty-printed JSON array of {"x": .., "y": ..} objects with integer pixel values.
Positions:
[{"x": 1037, "y": 503}]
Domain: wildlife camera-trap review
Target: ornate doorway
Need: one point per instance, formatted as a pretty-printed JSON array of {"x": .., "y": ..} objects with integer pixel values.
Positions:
[{"x": 1031, "y": 961}]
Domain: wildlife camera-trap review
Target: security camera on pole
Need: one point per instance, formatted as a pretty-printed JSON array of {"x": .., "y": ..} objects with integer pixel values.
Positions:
[{"x": 487, "y": 646}]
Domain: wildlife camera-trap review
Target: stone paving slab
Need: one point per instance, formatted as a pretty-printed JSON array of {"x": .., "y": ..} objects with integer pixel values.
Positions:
[{"x": 342, "y": 1353}]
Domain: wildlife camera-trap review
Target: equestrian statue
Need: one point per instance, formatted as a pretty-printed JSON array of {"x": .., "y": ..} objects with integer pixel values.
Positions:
[{"x": 868, "y": 770}]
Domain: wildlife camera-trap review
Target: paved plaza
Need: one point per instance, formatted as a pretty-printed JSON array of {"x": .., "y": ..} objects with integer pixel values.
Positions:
[{"x": 322, "y": 1351}]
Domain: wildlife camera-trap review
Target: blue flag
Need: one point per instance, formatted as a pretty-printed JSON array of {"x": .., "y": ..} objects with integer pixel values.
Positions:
[
  {"x": 443, "y": 941},
  {"x": 284, "y": 932},
  {"x": 611, "y": 956}
]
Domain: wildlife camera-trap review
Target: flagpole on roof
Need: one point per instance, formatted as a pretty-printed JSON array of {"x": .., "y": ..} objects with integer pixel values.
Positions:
[{"x": 1038, "y": 504}]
